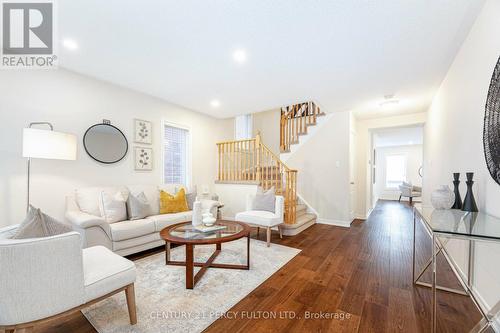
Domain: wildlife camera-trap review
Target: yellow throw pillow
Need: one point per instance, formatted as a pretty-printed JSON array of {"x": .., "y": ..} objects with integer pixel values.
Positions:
[{"x": 173, "y": 203}]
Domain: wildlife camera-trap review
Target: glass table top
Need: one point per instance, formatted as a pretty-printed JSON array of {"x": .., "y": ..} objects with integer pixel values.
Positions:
[
  {"x": 188, "y": 232},
  {"x": 458, "y": 222}
]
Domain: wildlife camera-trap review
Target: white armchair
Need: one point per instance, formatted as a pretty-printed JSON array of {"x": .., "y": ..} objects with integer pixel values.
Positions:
[
  {"x": 261, "y": 218},
  {"x": 44, "y": 278},
  {"x": 409, "y": 191}
]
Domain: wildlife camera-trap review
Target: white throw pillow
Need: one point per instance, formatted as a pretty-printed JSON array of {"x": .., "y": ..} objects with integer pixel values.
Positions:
[{"x": 113, "y": 207}]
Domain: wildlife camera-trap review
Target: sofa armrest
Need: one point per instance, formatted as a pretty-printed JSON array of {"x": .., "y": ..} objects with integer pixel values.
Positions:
[
  {"x": 9, "y": 231},
  {"x": 83, "y": 220}
]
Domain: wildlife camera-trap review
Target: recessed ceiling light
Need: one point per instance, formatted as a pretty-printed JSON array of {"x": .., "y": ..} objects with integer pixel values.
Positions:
[
  {"x": 389, "y": 101},
  {"x": 215, "y": 103},
  {"x": 239, "y": 56},
  {"x": 70, "y": 44}
]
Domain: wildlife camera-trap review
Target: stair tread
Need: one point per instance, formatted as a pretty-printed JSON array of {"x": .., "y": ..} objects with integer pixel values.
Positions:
[{"x": 306, "y": 218}]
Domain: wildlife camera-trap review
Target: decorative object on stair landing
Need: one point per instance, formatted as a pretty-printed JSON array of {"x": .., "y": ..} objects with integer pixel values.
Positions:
[
  {"x": 491, "y": 129},
  {"x": 143, "y": 131},
  {"x": 143, "y": 159},
  {"x": 442, "y": 198},
  {"x": 458, "y": 198},
  {"x": 469, "y": 201}
]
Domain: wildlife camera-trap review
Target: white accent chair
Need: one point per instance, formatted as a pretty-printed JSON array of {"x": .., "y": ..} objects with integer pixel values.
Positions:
[
  {"x": 262, "y": 218},
  {"x": 410, "y": 191},
  {"x": 47, "y": 278}
]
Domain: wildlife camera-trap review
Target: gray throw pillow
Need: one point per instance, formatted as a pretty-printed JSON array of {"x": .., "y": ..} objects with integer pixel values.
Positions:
[
  {"x": 32, "y": 226},
  {"x": 138, "y": 206},
  {"x": 53, "y": 226},
  {"x": 37, "y": 224},
  {"x": 264, "y": 200}
]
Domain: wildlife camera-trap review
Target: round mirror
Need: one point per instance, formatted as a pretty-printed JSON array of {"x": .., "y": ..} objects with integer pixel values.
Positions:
[{"x": 105, "y": 143}]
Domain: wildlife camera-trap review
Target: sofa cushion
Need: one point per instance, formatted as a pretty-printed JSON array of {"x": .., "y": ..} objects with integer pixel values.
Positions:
[
  {"x": 151, "y": 192},
  {"x": 163, "y": 220},
  {"x": 259, "y": 217},
  {"x": 87, "y": 198},
  {"x": 105, "y": 271},
  {"x": 131, "y": 229}
]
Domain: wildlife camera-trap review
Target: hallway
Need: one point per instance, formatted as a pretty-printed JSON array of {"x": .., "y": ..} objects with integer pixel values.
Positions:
[{"x": 364, "y": 271}]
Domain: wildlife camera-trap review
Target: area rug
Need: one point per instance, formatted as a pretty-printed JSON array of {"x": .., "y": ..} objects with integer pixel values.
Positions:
[{"x": 165, "y": 305}]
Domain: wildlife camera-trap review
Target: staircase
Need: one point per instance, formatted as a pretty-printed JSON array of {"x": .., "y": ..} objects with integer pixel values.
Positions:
[
  {"x": 251, "y": 161},
  {"x": 294, "y": 122}
]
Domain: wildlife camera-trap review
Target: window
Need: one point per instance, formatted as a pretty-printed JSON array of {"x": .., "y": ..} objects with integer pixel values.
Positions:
[
  {"x": 243, "y": 127},
  {"x": 395, "y": 170},
  {"x": 175, "y": 155}
]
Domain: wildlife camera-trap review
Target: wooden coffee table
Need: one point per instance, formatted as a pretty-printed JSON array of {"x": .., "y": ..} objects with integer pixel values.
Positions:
[{"x": 185, "y": 234}]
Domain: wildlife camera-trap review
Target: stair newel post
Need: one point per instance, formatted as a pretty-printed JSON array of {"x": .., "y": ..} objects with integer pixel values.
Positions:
[{"x": 258, "y": 158}]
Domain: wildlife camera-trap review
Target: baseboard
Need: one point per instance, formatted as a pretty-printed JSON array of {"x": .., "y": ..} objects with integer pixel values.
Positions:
[{"x": 338, "y": 223}]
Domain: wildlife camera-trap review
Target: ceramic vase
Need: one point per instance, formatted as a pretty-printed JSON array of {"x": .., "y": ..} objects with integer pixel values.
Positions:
[
  {"x": 197, "y": 218},
  {"x": 469, "y": 204},
  {"x": 458, "y": 199},
  {"x": 442, "y": 198}
]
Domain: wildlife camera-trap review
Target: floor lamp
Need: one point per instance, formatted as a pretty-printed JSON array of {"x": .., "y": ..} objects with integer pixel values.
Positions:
[{"x": 47, "y": 144}]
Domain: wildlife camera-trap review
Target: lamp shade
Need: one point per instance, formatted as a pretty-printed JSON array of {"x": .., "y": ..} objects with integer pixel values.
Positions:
[{"x": 47, "y": 144}]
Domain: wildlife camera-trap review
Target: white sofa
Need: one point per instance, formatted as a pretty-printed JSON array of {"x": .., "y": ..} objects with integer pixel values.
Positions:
[
  {"x": 124, "y": 237},
  {"x": 50, "y": 276}
]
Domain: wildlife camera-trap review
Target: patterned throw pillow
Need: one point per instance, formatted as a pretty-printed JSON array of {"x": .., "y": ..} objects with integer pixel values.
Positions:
[
  {"x": 173, "y": 204},
  {"x": 264, "y": 200},
  {"x": 37, "y": 224},
  {"x": 138, "y": 206}
]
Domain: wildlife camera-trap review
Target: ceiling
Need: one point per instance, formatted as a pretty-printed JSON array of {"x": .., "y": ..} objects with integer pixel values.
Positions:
[
  {"x": 343, "y": 54},
  {"x": 398, "y": 136}
]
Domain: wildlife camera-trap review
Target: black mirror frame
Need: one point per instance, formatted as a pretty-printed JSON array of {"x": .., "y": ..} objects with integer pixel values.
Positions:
[{"x": 95, "y": 159}]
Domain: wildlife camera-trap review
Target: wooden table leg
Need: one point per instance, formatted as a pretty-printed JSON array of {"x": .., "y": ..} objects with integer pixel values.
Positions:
[
  {"x": 167, "y": 252},
  {"x": 218, "y": 246},
  {"x": 189, "y": 266},
  {"x": 248, "y": 251}
]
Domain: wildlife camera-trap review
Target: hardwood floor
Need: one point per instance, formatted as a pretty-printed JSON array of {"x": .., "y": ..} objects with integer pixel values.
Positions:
[{"x": 361, "y": 275}]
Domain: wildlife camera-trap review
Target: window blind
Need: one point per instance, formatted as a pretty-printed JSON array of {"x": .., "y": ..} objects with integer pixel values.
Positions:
[{"x": 175, "y": 152}]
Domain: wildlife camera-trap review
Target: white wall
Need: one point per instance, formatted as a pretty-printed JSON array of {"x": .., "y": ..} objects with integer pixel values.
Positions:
[
  {"x": 233, "y": 196},
  {"x": 73, "y": 102},
  {"x": 363, "y": 153},
  {"x": 453, "y": 137},
  {"x": 323, "y": 169},
  {"x": 414, "y": 156},
  {"x": 268, "y": 124}
]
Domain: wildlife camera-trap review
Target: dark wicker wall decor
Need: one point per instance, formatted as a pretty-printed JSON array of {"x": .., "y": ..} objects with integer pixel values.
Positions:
[{"x": 491, "y": 132}]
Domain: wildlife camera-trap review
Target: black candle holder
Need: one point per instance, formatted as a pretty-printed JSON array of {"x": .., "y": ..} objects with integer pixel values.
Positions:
[
  {"x": 469, "y": 204},
  {"x": 458, "y": 198}
]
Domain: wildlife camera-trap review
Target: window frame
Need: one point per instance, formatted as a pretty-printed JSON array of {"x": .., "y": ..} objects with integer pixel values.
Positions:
[
  {"x": 189, "y": 147},
  {"x": 405, "y": 156},
  {"x": 249, "y": 128}
]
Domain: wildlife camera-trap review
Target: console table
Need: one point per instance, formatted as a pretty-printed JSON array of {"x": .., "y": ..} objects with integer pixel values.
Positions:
[{"x": 441, "y": 226}]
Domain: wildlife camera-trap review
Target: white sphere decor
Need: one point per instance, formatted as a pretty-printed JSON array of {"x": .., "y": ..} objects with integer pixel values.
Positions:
[{"x": 443, "y": 197}]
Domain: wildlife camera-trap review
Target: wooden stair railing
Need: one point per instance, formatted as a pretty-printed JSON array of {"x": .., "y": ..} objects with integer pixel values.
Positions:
[
  {"x": 294, "y": 122},
  {"x": 251, "y": 160}
]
